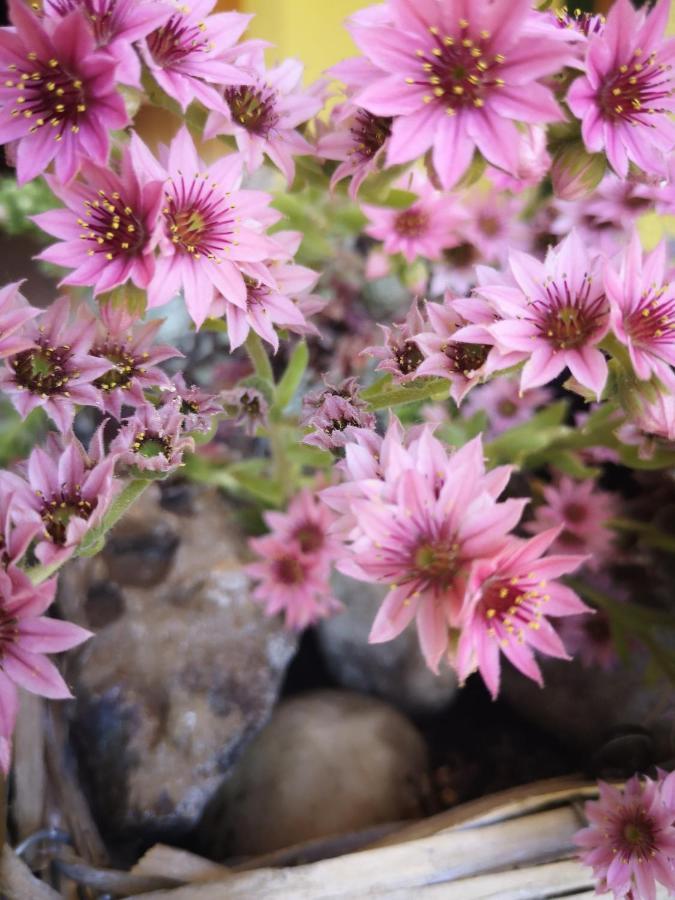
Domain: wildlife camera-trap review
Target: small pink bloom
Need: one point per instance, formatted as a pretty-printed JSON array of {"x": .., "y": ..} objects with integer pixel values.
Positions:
[
  {"x": 264, "y": 116},
  {"x": 510, "y": 599},
  {"x": 652, "y": 425},
  {"x": 455, "y": 76},
  {"x": 57, "y": 371},
  {"x": 308, "y": 522},
  {"x": 625, "y": 99},
  {"x": 15, "y": 312},
  {"x": 57, "y": 94},
  {"x": 248, "y": 407},
  {"x": 106, "y": 230},
  {"x": 332, "y": 413},
  {"x": 197, "y": 407},
  {"x": 588, "y": 637},
  {"x": 642, "y": 310},
  {"x": 400, "y": 356},
  {"x": 504, "y": 404},
  {"x": 630, "y": 840},
  {"x": 582, "y": 511},
  {"x": 153, "y": 439}
]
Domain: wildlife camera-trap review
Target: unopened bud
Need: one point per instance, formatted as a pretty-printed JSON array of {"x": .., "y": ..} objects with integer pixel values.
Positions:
[{"x": 575, "y": 173}]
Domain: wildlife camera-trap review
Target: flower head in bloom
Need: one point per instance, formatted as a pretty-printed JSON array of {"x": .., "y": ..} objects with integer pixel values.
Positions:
[
  {"x": 208, "y": 227},
  {"x": 400, "y": 355},
  {"x": 247, "y": 406},
  {"x": 192, "y": 52},
  {"x": 625, "y": 99},
  {"x": 296, "y": 560},
  {"x": 116, "y": 25},
  {"x": 454, "y": 76},
  {"x": 15, "y": 312},
  {"x": 25, "y": 637},
  {"x": 630, "y": 839},
  {"x": 651, "y": 425},
  {"x": 66, "y": 490},
  {"x": 57, "y": 371},
  {"x": 264, "y": 116},
  {"x": 106, "y": 229},
  {"x": 642, "y": 304},
  {"x": 57, "y": 94},
  {"x": 420, "y": 528},
  {"x": 553, "y": 315},
  {"x": 425, "y": 228},
  {"x": 510, "y": 600},
  {"x": 332, "y": 413},
  {"x": 197, "y": 407},
  {"x": 154, "y": 438},
  {"x": 504, "y": 404},
  {"x": 582, "y": 511}
]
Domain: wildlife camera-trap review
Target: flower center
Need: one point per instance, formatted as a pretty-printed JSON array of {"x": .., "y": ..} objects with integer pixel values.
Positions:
[
  {"x": 435, "y": 562},
  {"x": 653, "y": 320},
  {"x": 507, "y": 408},
  {"x": 57, "y": 512},
  {"x": 635, "y": 90},
  {"x": 369, "y": 133},
  {"x": 569, "y": 320},
  {"x": 177, "y": 39},
  {"x": 510, "y": 605},
  {"x": 199, "y": 219},
  {"x": 462, "y": 256},
  {"x": 585, "y": 22},
  {"x": 124, "y": 366},
  {"x": 150, "y": 444},
  {"x": 408, "y": 357},
  {"x": 253, "y": 108},
  {"x": 289, "y": 570},
  {"x": 309, "y": 536},
  {"x": 575, "y": 512},
  {"x": 46, "y": 94},
  {"x": 638, "y": 840},
  {"x": 112, "y": 226},
  {"x": 489, "y": 225},
  {"x": 465, "y": 359},
  {"x": 411, "y": 223},
  {"x": 458, "y": 70},
  {"x": 256, "y": 292},
  {"x": 43, "y": 369}
]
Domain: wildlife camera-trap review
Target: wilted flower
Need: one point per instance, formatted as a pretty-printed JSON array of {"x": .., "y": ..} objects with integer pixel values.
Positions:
[
  {"x": 400, "y": 355},
  {"x": 247, "y": 406},
  {"x": 333, "y": 412}
]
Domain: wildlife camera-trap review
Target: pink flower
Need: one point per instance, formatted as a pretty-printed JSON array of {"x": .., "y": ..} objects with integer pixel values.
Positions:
[
  {"x": 25, "y": 637},
  {"x": 153, "y": 439},
  {"x": 197, "y": 407},
  {"x": 554, "y": 315},
  {"x": 400, "y": 356},
  {"x": 589, "y": 638},
  {"x": 581, "y": 24},
  {"x": 209, "y": 227},
  {"x": 193, "y": 51},
  {"x": 420, "y": 529},
  {"x": 106, "y": 231},
  {"x": 116, "y": 25},
  {"x": 66, "y": 490},
  {"x": 57, "y": 371},
  {"x": 582, "y": 511},
  {"x": 333, "y": 412},
  {"x": 16, "y": 529},
  {"x": 510, "y": 598},
  {"x": 455, "y": 83},
  {"x": 651, "y": 425},
  {"x": 425, "y": 228},
  {"x": 625, "y": 99},
  {"x": 248, "y": 407},
  {"x": 15, "y": 312},
  {"x": 534, "y": 162},
  {"x": 57, "y": 94},
  {"x": 308, "y": 522},
  {"x": 264, "y": 115},
  {"x": 630, "y": 840},
  {"x": 642, "y": 310},
  {"x": 504, "y": 404}
]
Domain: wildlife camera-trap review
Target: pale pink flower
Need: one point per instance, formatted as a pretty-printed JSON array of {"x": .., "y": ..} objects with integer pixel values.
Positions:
[
  {"x": 630, "y": 840},
  {"x": 26, "y": 636},
  {"x": 116, "y": 25},
  {"x": 197, "y": 407},
  {"x": 58, "y": 370},
  {"x": 57, "y": 94},
  {"x": 400, "y": 356},
  {"x": 651, "y": 425},
  {"x": 153, "y": 439},
  {"x": 554, "y": 315},
  {"x": 504, "y": 404},
  {"x": 425, "y": 228},
  {"x": 332, "y": 413},
  {"x": 509, "y": 601},
  {"x": 455, "y": 76},
  {"x": 15, "y": 312},
  {"x": 308, "y": 522},
  {"x": 247, "y": 406},
  {"x": 106, "y": 230},
  {"x": 625, "y": 98},
  {"x": 209, "y": 227},
  {"x": 642, "y": 309},
  {"x": 193, "y": 51},
  {"x": 16, "y": 529},
  {"x": 583, "y": 512},
  {"x": 263, "y": 116},
  {"x": 492, "y": 224}
]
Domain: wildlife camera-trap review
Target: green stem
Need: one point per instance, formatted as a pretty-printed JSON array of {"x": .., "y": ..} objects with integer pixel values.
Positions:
[{"x": 259, "y": 357}]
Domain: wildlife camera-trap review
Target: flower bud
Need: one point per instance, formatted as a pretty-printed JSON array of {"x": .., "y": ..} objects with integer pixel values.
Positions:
[{"x": 575, "y": 173}]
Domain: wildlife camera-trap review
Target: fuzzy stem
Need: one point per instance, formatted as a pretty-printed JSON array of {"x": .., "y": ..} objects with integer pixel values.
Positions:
[{"x": 259, "y": 357}]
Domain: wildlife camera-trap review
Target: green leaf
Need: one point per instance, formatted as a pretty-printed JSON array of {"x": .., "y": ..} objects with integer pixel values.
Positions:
[
  {"x": 543, "y": 429},
  {"x": 292, "y": 377},
  {"x": 310, "y": 457}
]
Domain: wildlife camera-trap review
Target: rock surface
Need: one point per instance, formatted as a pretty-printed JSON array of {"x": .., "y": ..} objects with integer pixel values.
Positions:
[
  {"x": 328, "y": 763},
  {"x": 396, "y": 670},
  {"x": 183, "y": 670}
]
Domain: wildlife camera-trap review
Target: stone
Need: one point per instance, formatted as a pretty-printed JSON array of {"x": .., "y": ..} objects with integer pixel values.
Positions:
[
  {"x": 328, "y": 763},
  {"x": 396, "y": 670},
  {"x": 184, "y": 669}
]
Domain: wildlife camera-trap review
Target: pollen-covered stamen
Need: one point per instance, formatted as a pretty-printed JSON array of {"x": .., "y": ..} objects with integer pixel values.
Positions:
[
  {"x": 199, "y": 218},
  {"x": 466, "y": 358},
  {"x": 369, "y": 133},
  {"x": 9, "y": 632},
  {"x": 459, "y": 71},
  {"x": 152, "y": 443},
  {"x": 256, "y": 292},
  {"x": 58, "y": 510},
  {"x": 253, "y": 107},
  {"x": 434, "y": 563},
  {"x": 568, "y": 320},
  {"x": 43, "y": 370},
  {"x": 578, "y": 20},
  {"x": 112, "y": 227},
  {"x": 636, "y": 90},
  {"x": 124, "y": 366},
  {"x": 47, "y": 94},
  {"x": 509, "y": 606},
  {"x": 408, "y": 357},
  {"x": 653, "y": 320},
  {"x": 172, "y": 42},
  {"x": 411, "y": 223}
]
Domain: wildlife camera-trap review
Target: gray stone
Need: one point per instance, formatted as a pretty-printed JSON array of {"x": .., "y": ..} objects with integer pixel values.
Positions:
[
  {"x": 396, "y": 670},
  {"x": 184, "y": 668}
]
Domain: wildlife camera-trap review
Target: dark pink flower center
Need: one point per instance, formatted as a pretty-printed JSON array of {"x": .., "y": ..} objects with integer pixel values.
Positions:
[
  {"x": 112, "y": 226},
  {"x": 653, "y": 320},
  {"x": 465, "y": 359},
  {"x": 199, "y": 219},
  {"x": 171, "y": 43},
  {"x": 575, "y": 512},
  {"x": 288, "y": 570},
  {"x": 458, "y": 70},
  {"x": 569, "y": 320},
  {"x": 636, "y": 89},
  {"x": 44, "y": 369},
  {"x": 435, "y": 562},
  {"x": 310, "y": 537},
  {"x": 58, "y": 510},
  {"x": 411, "y": 223},
  {"x": 47, "y": 95},
  {"x": 507, "y": 408},
  {"x": 254, "y": 108},
  {"x": 369, "y": 133},
  {"x": 636, "y": 837},
  {"x": 408, "y": 357},
  {"x": 508, "y": 606}
]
